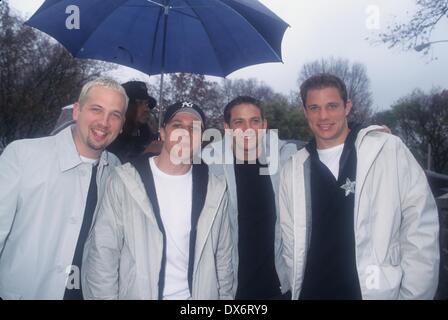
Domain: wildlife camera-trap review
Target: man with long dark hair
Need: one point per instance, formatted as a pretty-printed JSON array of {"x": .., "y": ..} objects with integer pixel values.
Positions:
[{"x": 136, "y": 134}]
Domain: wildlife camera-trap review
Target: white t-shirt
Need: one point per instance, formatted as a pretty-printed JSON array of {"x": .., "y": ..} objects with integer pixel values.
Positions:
[
  {"x": 174, "y": 194},
  {"x": 330, "y": 158},
  {"x": 89, "y": 160}
]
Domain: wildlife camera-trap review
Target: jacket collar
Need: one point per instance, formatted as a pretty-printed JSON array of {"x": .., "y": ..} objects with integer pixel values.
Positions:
[
  {"x": 368, "y": 150},
  {"x": 68, "y": 154},
  {"x": 311, "y": 146}
]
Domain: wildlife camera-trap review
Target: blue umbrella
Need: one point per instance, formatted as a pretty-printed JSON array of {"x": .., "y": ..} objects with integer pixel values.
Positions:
[{"x": 210, "y": 37}]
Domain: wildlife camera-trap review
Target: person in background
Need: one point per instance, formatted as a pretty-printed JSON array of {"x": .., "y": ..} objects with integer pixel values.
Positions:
[{"x": 137, "y": 134}]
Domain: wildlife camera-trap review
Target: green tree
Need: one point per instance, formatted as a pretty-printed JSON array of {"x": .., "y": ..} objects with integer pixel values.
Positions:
[
  {"x": 289, "y": 120},
  {"x": 421, "y": 120}
]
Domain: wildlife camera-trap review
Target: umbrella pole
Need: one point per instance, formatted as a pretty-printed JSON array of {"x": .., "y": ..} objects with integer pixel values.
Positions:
[
  {"x": 165, "y": 23},
  {"x": 161, "y": 100}
]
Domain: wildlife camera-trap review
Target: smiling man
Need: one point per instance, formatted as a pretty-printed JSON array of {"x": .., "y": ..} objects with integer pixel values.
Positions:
[
  {"x": 49, "y": 188},
  {"x": 162, "y": 230},
  {"x": 252, "y": 174},
  {"x": 357, "y": 216}
]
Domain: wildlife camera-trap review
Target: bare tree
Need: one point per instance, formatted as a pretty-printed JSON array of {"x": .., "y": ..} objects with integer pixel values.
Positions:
[
  {"x": 246, "y": 87},
  {"x": 418, "y": 30},
  {"x": 37, "y": 78},
  {"x": 282, "y": 114},
  {"x": 355, "y": 77},
  {"x": 195, "y": 88}
]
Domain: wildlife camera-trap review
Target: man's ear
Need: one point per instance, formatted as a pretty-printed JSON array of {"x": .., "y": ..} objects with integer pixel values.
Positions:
[
  {"x": 76, "y": 111},
  {"x": 226, "y": 125},
  {"x": 348, "y": 107},
  {"x": 265, "y": 124}
]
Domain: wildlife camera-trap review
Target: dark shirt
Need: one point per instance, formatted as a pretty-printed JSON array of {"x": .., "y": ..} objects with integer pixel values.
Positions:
[
  {"x": 257, "y": 276},
  {"x": 127, "y": 147},
  {"x": 331, "y": 271},
  {"x": 72, "y": 292}
]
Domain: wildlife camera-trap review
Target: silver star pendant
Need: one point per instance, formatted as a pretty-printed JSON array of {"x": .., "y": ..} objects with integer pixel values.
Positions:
[{"x": 349, "y": 186}]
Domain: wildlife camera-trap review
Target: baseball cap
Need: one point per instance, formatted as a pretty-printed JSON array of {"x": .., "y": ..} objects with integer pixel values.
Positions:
[{"x": 183, "y": 106}]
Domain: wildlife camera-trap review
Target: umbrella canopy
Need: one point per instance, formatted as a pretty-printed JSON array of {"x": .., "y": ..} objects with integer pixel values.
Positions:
[{"x": 210, "y": 37}]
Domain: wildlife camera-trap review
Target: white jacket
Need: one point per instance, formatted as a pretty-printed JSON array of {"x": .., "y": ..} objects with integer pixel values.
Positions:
[
  {"x": 43, "y": 192},
  {"x": 123, "y": 255},
  {"x": 395, "y": 219},
  {"x": 282, "y": 151}
]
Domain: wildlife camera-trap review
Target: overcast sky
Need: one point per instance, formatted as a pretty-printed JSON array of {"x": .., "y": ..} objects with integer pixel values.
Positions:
[{"x": 324, "y": 28}]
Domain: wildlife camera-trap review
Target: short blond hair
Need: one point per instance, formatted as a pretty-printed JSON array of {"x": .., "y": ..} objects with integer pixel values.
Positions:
[{"x": 102, "y": 82}]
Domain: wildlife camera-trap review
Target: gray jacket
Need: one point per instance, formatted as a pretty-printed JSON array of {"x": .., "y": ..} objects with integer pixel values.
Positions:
[
  {"x": 123, "y": 255},
  {"x": 275, "y": 153},
  {"x": 43, "y": 192}
]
